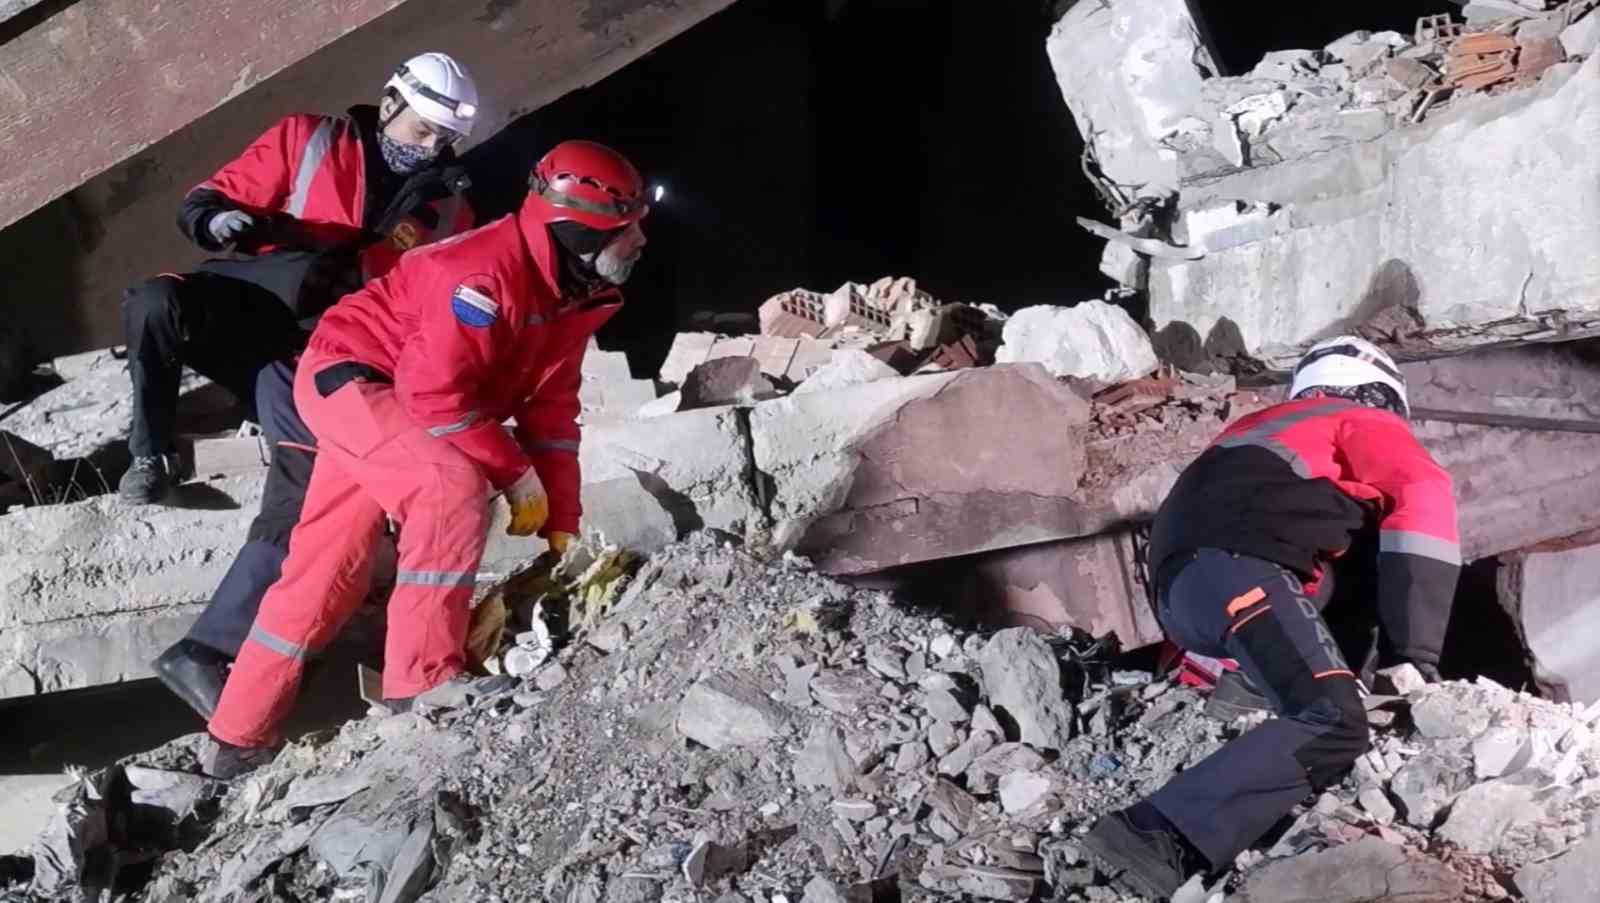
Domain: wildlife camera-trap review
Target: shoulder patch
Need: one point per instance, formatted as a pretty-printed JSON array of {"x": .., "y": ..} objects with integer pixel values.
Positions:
[{"x": 473, "y": 306}]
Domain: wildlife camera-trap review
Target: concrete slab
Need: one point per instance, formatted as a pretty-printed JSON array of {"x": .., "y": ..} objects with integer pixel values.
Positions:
[
  {"x": 28, "y": 807},
  {"x": 899, "y": 471},
  {"x": 1475, "y": 228},
  {"x": 1554, "y": 596}
]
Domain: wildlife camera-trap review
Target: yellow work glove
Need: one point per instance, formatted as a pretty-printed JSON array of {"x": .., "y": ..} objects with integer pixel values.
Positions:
[
  {"x": 530, "y": 507},
  {"x": 559, "y": 541}
]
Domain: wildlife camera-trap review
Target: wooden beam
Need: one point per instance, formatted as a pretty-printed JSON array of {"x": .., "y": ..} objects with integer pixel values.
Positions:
[
  {"x": 116, "y": 229},
  {"x": 101, "y": 80}
]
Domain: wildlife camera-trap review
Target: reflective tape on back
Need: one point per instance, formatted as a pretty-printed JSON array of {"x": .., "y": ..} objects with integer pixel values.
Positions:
[
  {"x": 310, "y": 161},
  {"x": 1264, "y": 435},
  {"x": 562, "y": 445},
  {"x": 1408, "y": 542}
]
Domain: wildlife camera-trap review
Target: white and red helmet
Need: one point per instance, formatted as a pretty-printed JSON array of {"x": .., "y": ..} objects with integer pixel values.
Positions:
[
  {"x": 439, "y": 89},
  {"x": 1345, "y": 362}
]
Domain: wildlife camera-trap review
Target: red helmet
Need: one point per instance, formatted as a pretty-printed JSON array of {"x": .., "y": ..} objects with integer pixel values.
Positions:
[{"x": 588, "y": 183}]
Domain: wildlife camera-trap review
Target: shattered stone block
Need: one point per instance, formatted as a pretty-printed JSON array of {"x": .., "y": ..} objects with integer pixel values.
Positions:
[
  {"x": 1094, "y": 340},
  {"x": 1022, "y": 678},
  {"x": 824, "y": 761},
  {"x": 724, "y": 711},
  {"x": 1429, "y": 783},
  {"x": 1480, "y": 817},
  {"x": 725, "y": 381},
  {"x": 1130, "y": 71},
  {"x": 1501, "y": 751},
  {"x": 897, "y": 471}
]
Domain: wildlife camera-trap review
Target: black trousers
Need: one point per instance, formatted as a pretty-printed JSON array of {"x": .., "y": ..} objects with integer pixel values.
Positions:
[
  {"x": 1235, "y": 606},
  {"x": 226, "y": 620},
  {"x": 226, "y": 329}
]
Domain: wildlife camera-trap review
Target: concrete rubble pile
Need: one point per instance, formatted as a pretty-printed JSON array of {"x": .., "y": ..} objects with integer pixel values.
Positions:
[
  {"x": 1433, "y": 189},
  {"x": 738, "y": 730}
]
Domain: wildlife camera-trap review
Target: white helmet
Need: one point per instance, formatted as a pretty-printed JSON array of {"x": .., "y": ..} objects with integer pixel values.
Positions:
[
  {"x": 439, "y": 89},
  {"x": 1346, "y": 361}
]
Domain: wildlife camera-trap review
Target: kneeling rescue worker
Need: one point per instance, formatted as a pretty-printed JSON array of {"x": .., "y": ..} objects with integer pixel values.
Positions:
[
  {"x": 405, "y": 384},
  {"x": 1238, "y": 550}
]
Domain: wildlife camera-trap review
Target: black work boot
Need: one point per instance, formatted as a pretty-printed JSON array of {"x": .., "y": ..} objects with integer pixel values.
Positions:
[
  {"x": 224, "y": 761},
  {"x": 148, "y": 479},
  {"x": 1235, "y": 696},
  {"x": 1154, "y": 862},
  {"x": 454, "y": 693},
  {"x": 195, "y": 673}
]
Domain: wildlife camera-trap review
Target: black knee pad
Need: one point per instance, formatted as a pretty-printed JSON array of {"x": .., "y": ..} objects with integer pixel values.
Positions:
[{"x": 1342, "y": 732}]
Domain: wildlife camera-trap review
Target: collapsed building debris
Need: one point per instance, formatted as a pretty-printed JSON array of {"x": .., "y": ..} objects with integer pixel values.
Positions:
[
  {"x": 1347, "y": 186},
  {"x": 864, "y": 477},
  {"x": 815, "y": 742}
]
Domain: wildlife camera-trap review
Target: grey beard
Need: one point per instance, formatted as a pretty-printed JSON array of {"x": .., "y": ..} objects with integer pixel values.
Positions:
[{"x": 613, "y": 270}]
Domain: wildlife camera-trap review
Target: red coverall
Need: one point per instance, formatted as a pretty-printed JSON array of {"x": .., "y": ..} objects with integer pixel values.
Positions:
[{"x": 471, "y": 331}]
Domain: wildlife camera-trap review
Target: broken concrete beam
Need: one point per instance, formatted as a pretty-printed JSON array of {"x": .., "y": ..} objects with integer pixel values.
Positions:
[
  {"x": 93, "y": 590},
  {"x": 1130, "y": 71},
  {"x": 1554, "y": 598},
  {"x": 1092, "y": 340},
  {"x": 908, "y": 470},
  {"x": 1401, "y": 224},
  {"x": 693, "y": 465}
]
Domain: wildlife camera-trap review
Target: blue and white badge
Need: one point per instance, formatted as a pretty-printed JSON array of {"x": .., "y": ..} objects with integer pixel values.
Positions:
[{"x": 472, "y": 307}]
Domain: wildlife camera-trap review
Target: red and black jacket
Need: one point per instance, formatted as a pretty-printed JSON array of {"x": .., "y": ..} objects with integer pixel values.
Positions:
[
  {"x": 319, "y": 182},
  {"x": 1300, "y": 482}
]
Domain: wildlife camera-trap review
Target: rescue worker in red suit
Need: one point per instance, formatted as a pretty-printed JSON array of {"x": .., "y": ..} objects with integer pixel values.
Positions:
[
  {"x": 318, "y": 205},
  {"x": 1239, "y": 549},
  {"x": 406, "y": 384}
]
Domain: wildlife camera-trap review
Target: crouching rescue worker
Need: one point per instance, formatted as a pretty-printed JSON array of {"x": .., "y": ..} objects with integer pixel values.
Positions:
[
  {"x": 1238, "y": 548},
  {"x": 322, "y": 203},
  {"x": 405, "y": 385}
]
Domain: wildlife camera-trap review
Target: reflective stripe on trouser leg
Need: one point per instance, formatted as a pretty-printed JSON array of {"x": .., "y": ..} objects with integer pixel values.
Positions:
[
  {"x": 1228, "y": 801},
  {"x": 436, "y": 493},
  {"x": 441, "y": 542},
  {"x": 324, "y": 580}
]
